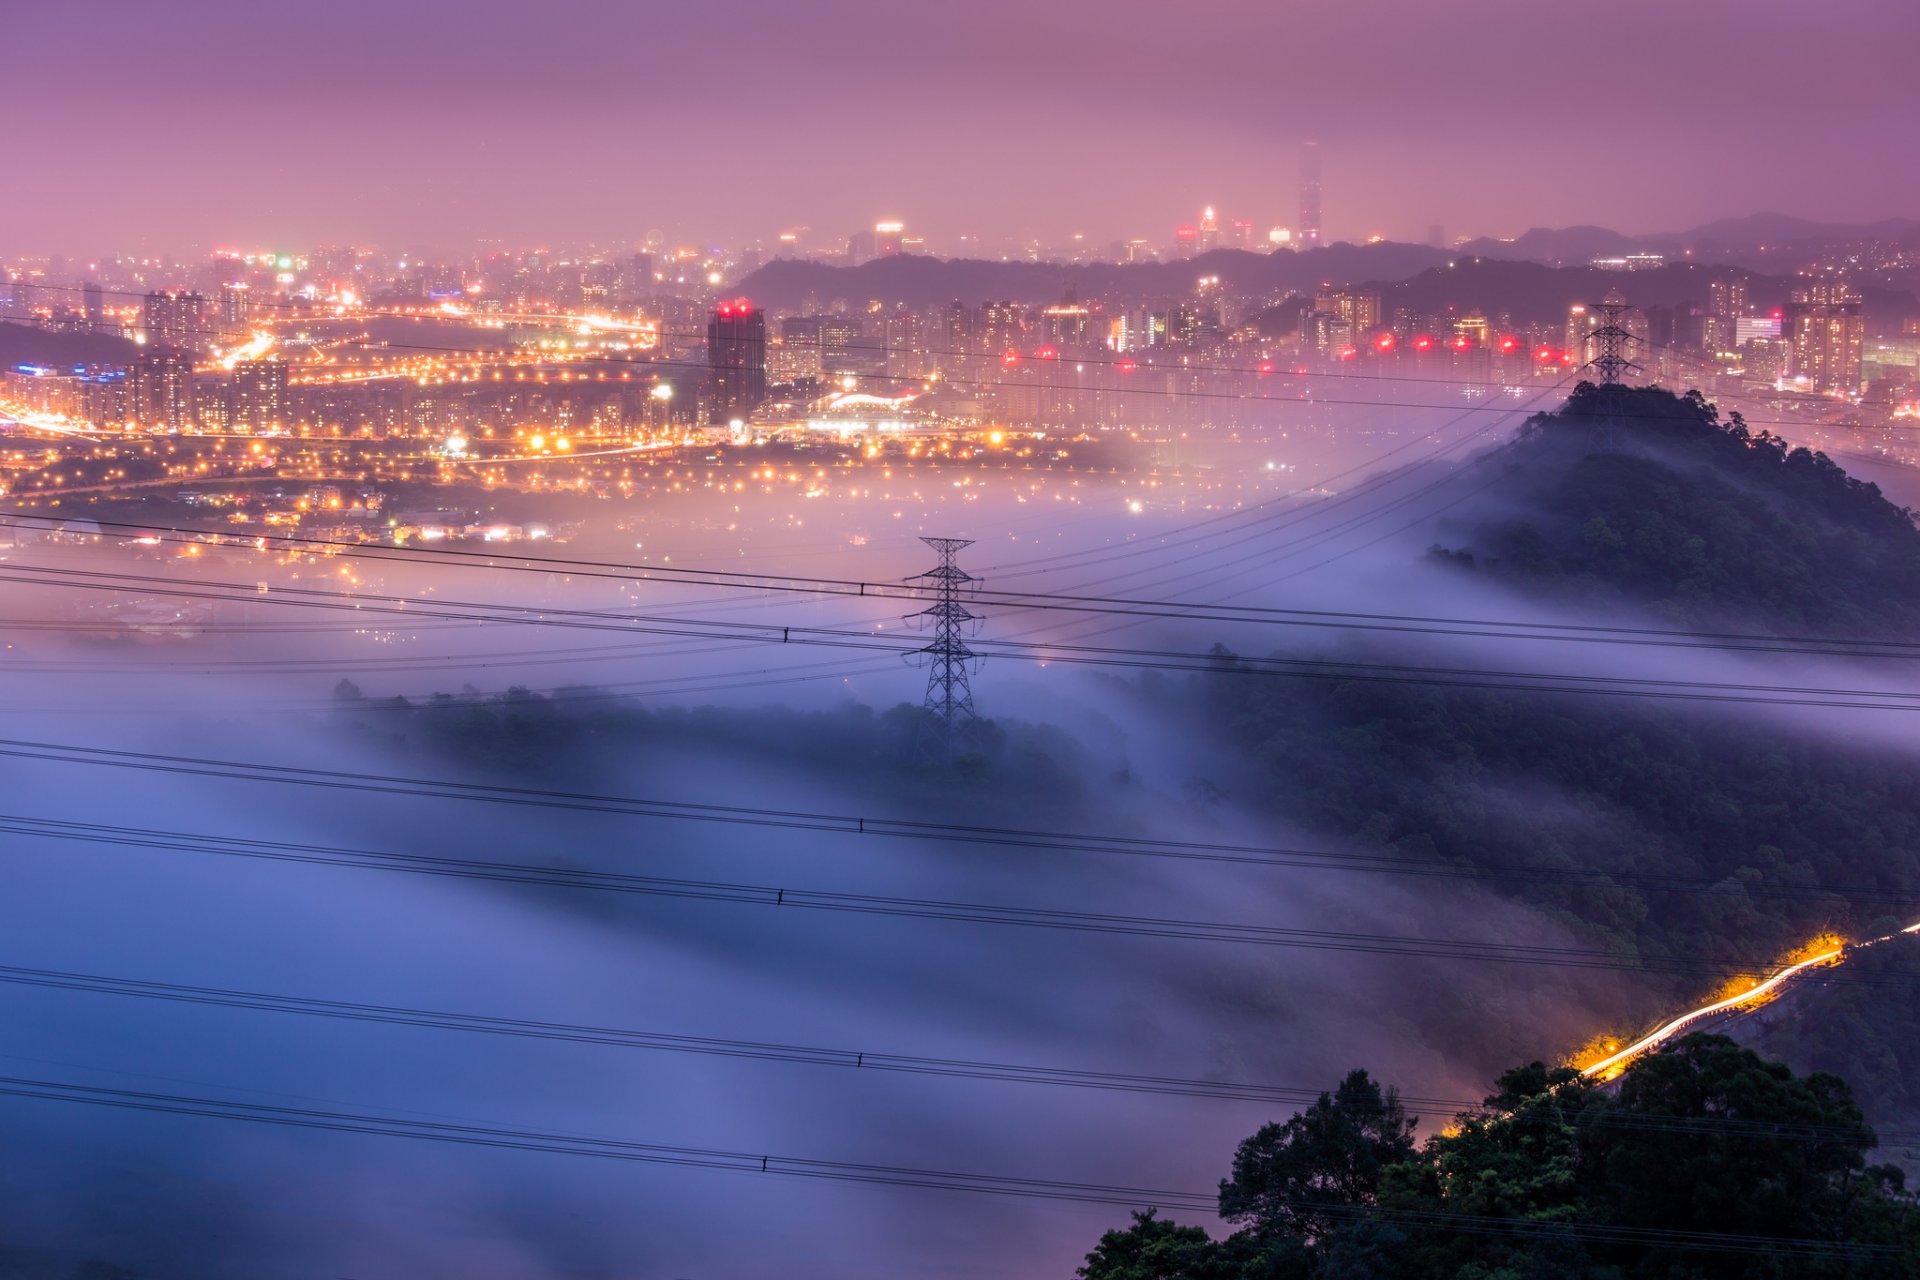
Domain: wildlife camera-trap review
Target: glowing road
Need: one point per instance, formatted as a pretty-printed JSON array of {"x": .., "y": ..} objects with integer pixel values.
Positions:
[{"x": 1610, "y": 1067}]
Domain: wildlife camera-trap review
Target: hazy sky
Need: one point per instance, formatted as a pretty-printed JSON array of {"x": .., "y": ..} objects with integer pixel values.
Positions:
[{"x": 443, "y": 121}]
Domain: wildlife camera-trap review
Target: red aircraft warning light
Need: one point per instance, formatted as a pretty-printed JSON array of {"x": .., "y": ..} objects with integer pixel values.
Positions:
[
  {"x": 1266, "y": 366},
  {"x": 1509, "y": 343},
  {"x": 1461, "y": 342},
  {"x": 1010, "y": 359},
  {"x": 1125, "y": 366},
  {"x": 1384, "y": 343},
  {"x": 1423, "y": 343},
  {"x": 1544, "y": 355},
  {"x": 1047, "y": 353}
]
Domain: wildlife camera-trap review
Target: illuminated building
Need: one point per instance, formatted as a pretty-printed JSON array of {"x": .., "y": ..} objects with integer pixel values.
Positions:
[
  {"x": 1726, "y": 307},
  {"x": 259, "y": 395},
  {"x": 797, "y": 355},
  {"x": 1002, "y": 327},
  {"x": 1067, "y": 323},
  {"x": 92, "y": 300},
  {"x": 1766, "y": 360},
  {"x": 887, "y": 238},
  {"x": 1828, "y": 334},
  {"x": 846, "y": 348},
  {"x": 175, "y": 319},
  {"x": 736, "y": 360},
  {"x": 1209, "y": 235},
  {"x": 162, "y": 389},
  {"x": 960, "y": 335},
  {"x": 1579, "y": 325},
  {"x": 1243, "y": 233},
  {"x": 1310, "y": 195}
]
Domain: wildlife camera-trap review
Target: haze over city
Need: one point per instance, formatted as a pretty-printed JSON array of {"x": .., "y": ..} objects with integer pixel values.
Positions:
[
  {"x": 445, "y": 122},
  {"x": 856, "y": 640}
]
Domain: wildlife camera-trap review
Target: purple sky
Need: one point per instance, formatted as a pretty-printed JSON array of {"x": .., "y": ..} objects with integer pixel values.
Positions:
[{"x": 442, "y": 121}]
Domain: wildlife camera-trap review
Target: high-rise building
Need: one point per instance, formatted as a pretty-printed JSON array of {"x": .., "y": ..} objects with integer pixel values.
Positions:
[
  {"x": 93, "y": 301},
  {"x": 1828, "y": 334},
  {"x": 1727, "y": 305},
  {"x": 175, "y": 319},
  {"x": 798, "y": 355},
  {"x": 1310, "y": 195},
  {"x": 736, "y": 360},
  {"x": 1209, "y": 236},
  {"x": 259, "y": 395},
  {"x": 162, "y": 390},
  {"x": 887, "y": 238},
  {"x": 1002, "y": 327}
]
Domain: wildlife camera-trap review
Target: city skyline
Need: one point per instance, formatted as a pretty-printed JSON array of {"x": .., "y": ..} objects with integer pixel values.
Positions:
[{"x": 445, "y": 125}]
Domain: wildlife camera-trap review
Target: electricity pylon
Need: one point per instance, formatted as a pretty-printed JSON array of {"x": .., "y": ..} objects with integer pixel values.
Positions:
[{"x": 948, "y": 657}]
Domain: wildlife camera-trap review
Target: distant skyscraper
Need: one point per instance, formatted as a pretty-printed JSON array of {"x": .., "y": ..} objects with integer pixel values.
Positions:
[
  {"x": 887, "y": 237},
  {"x": 1310, "y": 195},
  {"x": 1209, "y": 237},
  {"x": 92, "y": 298},
  {"x": 736, "y": 360}
]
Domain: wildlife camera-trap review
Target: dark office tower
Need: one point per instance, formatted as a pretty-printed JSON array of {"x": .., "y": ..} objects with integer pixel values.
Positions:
[
  {"x": 736, "y": 360},
  {"x": 163, "y": 389},
  {"x": 1310, "y": 195},
  {"x": 259, "y": 395},
  {"x": 93, "y": 299}
]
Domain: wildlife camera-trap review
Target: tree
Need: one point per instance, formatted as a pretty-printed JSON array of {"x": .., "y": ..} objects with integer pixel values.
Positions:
[
  {"x": 1151, "y": 1249},
  {"x": 1305, "y": 1177}
]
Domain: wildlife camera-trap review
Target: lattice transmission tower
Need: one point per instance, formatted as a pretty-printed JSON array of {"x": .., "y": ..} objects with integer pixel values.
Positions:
[
  {"x": 947, "y": 657},
  {"x": 1610, "y": 340}
]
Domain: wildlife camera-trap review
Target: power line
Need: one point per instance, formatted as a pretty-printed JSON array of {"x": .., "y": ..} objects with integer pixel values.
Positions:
[
  {"x": 1045, "y": 654},
  {"x": 841, "y": 1171},
  {"x": 634, "y": 574},
  {"x": 781, "y": 897},
  {"x": 846, "y": 1059}
]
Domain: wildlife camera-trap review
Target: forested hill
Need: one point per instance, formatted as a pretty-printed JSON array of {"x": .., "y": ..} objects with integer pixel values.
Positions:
[
  {"x": 1680, "y": 834},
  {"x": 1701, "y": 521}
]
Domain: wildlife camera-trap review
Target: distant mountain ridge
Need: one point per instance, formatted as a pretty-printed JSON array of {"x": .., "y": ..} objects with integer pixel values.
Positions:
[
  {"x": 920, "y": 281},
  {"x": 1754, "y": 233}
]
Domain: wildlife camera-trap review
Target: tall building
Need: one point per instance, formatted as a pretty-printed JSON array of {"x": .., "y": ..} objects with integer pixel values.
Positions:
[
  {"x": 1727, "y": 304},
  {"x": 1209, "y": 236},
  {"x": 175, "y": 319},
  {"x": 887, "y": 238},
  {"x": 162, "y": 390},
  {"x": 93, "y": 300},
  {"x": 1828, "y": 334},
  {"x": 259, "y": 395},
  {"x": 736, "y": 360},
  {"x": 1310, "y": 195}
]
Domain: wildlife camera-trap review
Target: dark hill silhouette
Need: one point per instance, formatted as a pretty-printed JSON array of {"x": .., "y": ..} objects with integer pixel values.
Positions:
[
  {"x": 25, "y": 344},
  {"x": 918, "y": 281}
]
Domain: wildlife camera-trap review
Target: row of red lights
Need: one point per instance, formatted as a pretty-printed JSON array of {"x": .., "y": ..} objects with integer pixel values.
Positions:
[
  {"x": 737, "y": 307},
  {"x": 1386, "y": 342}
]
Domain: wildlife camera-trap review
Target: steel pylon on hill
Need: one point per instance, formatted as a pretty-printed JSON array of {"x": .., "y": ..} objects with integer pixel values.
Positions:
[
  {"x": 1610, "y": 340},
  {"x": 947, "y": 657}
]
